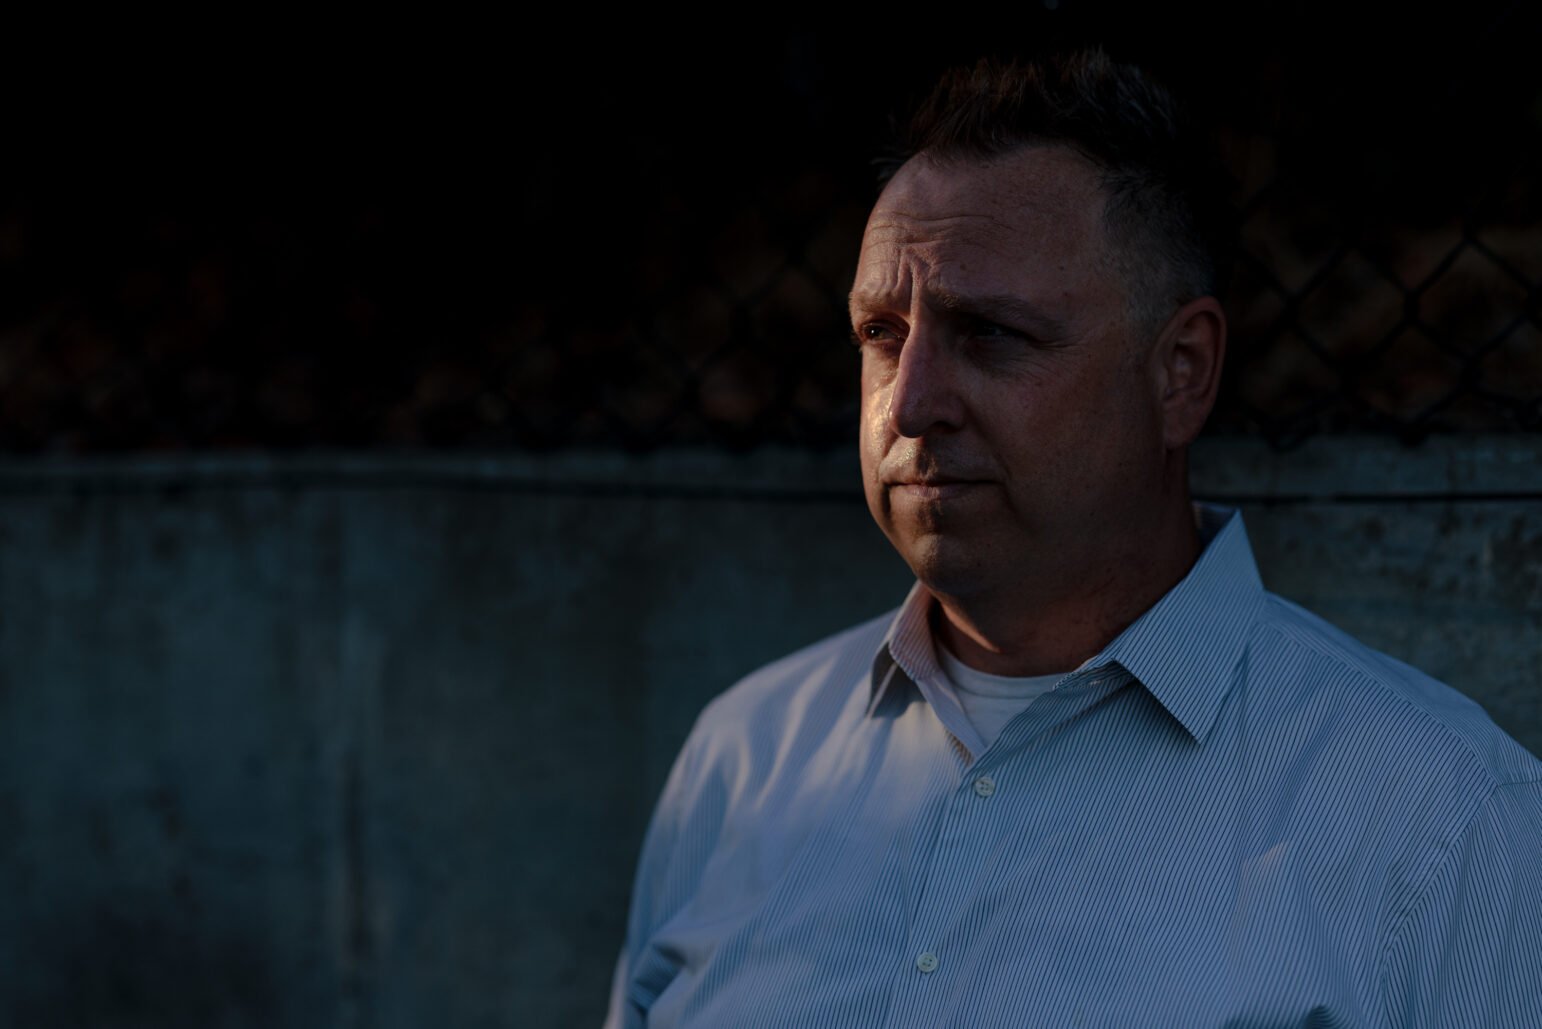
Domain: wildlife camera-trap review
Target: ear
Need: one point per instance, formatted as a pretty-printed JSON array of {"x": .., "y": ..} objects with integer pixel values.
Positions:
[{"x": 1189, "y": 352}]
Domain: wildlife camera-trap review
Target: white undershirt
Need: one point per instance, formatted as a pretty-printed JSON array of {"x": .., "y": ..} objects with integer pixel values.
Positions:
[{"x": 991, "y": 701}]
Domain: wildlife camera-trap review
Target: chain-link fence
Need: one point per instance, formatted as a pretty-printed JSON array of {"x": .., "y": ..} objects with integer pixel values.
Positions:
[
  {"x": 661, "y": 257},
  {"x": 1352, "y": 323}
]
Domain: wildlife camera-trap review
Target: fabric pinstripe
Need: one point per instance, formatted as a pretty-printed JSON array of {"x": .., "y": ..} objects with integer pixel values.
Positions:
[{"x": 1234, "y": 815}]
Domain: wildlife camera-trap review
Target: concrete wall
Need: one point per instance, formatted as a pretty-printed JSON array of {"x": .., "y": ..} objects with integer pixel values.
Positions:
[{"x": 346, "y": 741}]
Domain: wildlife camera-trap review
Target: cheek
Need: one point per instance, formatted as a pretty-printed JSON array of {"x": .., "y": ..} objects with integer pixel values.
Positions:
[
  {"x": 1108, "y": 449},
  {"x": 874, "y": 442},
  {"x": 873, "y": 492},
  {"x": 874, "y": 419},
  {"x": 872, "y": 448}
]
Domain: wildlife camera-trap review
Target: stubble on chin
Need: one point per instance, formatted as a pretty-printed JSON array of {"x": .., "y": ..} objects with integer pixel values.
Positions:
[{"x": 941, "y": 560}]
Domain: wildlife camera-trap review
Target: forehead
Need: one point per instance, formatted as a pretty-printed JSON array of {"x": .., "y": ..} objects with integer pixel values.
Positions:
[
  {"x": 1037, "y": 207},
  {"x": 1028, "y": 184}
]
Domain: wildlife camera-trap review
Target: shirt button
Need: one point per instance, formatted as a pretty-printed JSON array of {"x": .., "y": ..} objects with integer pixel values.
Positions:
[
  {"x": 984, "y": 786},
  {"x": 926, "y": 961}
]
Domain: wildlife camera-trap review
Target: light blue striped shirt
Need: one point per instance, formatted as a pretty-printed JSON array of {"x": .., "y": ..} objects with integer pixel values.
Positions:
[{"x": 1234, "y": 815}]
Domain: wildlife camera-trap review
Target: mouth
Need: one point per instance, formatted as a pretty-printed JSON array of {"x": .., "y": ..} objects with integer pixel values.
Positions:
[{"x": 936, "y": 488}]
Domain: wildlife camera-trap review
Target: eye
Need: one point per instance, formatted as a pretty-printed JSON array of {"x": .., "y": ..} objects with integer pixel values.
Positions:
[
  {"x": 993, "y": 330},
  {"x": 875, "y": 334}
]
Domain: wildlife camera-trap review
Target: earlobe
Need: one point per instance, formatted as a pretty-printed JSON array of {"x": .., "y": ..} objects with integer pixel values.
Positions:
[{"x": 1192, "y": 347}]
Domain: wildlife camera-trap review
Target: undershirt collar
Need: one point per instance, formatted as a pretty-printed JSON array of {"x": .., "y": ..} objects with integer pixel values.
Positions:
[{"x": 991, "y": 701}]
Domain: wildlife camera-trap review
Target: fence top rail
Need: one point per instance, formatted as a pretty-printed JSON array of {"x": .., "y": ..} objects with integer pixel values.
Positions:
[{"x": 1240, "y": 469}]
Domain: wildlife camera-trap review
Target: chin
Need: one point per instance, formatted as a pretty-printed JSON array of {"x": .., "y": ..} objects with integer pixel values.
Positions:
[{"x": 946, "y": 568}]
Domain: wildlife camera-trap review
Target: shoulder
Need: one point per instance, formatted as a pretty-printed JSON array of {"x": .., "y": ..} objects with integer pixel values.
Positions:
[
  {"x": 824, "y": 670},
  {"x": 749, "y": 747},
  {"x": 781, "y": 711},
  {"x": 1400, "y": 713},
  {"x": 1408, "y": 804},
  {"x": 764, "y": 727}
]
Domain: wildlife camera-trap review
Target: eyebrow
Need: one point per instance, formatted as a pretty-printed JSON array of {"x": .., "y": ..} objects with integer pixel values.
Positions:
[{"x": 1003, "y": 307}]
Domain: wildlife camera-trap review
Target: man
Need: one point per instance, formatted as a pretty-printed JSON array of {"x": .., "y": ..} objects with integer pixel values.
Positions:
[{"x": 1090, "y": 773}]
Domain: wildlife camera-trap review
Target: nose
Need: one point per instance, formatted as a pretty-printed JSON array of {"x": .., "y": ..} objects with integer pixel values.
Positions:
[{"x": 926, "y": 394}]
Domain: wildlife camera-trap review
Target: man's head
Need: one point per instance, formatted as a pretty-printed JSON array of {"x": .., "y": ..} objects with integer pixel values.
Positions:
[
  {"x": 1168, "y": 226},
  {"x": 1024, "y": 419}
]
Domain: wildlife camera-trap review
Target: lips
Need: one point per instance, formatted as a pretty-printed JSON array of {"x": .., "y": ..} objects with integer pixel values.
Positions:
[
  {"x": 935, "y": 479},
  {"x": 936, "y": 488},
  {"x": 924, "y": 473}
]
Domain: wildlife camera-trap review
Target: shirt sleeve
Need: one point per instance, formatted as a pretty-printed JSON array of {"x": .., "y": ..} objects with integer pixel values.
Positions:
[
  {"x": 615, "y": 1013},
  {"x": 656, "y": 891},
  {"x": 1469, "y": 951}
]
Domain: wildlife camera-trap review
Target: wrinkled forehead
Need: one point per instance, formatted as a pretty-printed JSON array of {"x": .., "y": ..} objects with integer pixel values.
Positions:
[
  {"x": 1031, "y": 192},
  {"x": 1030, "y": 221}
]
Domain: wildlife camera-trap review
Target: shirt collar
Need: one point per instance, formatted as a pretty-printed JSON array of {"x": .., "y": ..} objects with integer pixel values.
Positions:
[
  {"x": 1186, "y": 647},
  {"x": 1183, "y": 650},
  {"x": 909, "y": 654}
]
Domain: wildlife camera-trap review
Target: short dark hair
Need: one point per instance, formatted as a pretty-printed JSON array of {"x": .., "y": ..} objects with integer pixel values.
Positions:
[{"x": 1165, "y": 192}]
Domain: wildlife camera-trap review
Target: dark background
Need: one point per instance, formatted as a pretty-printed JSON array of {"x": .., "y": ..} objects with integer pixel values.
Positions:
[{"x": 457, "y": 234}]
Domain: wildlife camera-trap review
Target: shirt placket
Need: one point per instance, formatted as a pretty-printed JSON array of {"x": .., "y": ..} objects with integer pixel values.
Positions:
[
  {"x": 964, "y": 835},
  {"x": 987, "y": 798}
]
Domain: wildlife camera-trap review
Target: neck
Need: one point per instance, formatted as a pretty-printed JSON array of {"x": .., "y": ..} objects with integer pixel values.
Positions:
[{"x": 1020, "y": 631}]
